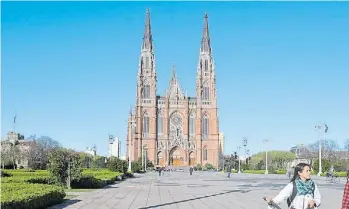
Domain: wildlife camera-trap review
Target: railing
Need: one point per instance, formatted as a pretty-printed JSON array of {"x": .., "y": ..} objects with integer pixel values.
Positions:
[
  {"x": 206, "y": 102},
  {"x": 146, "y": 101}
]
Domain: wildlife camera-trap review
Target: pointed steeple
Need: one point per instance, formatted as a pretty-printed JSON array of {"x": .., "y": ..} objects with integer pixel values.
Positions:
[
  {"x": 174, "y": 90},
  {"x": 173, "y": 77},
  {"x": 147, "y": 38},
  {"x": 205, "y": 42}
]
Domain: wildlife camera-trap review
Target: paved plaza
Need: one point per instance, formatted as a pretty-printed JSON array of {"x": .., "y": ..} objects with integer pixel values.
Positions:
[{"x": 201, "y": 190}]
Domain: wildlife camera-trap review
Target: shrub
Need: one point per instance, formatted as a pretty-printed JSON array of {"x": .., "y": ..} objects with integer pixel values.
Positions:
[
  {"x": 136, "y": 166},
  {"x": 41, "y": 180},
  {"x": 199, "y": 167},
  {"x": 245, "y": 166},
  {"x": 65, "y": 166},
  {"x": 88, "y": 182},
  {"x": 117, "y": 165},
  {"x": 280, "y": 172},
  {"x": 5, "y": 174},
  {"x": 25, "y": 195},
  {"x": 208, "y": 166},
  {"x": 255, "y": 171},
  {"x": 95, "y": 178}
]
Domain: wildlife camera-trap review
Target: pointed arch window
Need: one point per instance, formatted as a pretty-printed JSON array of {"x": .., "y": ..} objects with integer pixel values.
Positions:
[
  {"x": 204, "y": 153},
  {"x": 160, "y": 124},
  {"x": 146, "y": 92},
  {"x": 206, "y": 65},
  {"x": 206, "y": 93},
  {"x": 192, "y": 125},
  {"x": 146, "y": 125},
  {"x": 147, "y": 62},
  {"x": 205, "y": 127}
]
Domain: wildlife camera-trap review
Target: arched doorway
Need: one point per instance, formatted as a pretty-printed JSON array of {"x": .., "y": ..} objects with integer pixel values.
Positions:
[
  {"x": 160, "y": 159},
  {"x": 176, "y": 157},
  {"x": 192, "y": 159}
]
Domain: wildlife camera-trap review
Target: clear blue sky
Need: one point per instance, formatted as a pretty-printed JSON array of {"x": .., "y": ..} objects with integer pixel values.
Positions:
[{"x": 69, "y": 69}]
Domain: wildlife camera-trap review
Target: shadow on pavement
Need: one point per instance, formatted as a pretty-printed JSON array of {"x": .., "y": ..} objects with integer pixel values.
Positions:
[
  {"x": 64, "y": 204},
  {"x": 197, "y": 198}
]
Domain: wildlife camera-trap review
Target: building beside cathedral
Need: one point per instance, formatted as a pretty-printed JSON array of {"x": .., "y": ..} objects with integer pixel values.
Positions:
[{"x": 175, "y": 129}]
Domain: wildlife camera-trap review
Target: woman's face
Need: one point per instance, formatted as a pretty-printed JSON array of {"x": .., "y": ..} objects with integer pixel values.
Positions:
[{"x": 305, "y": 173}]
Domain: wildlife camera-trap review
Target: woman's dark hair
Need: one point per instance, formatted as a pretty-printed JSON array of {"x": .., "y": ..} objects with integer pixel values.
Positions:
[{"x": 299, "y": 168}]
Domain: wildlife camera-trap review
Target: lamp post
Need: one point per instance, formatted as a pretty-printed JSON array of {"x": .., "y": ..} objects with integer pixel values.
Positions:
[
  {"x": 244, "y": 142},
  {"x": 265, "y": 141},
  {"x": 318, "y": 128},
  {"x": 239, "y": 147},
  {"x": 248, "y": 155},
  {"x": 133, "y": 126},
  {"x": 142, "y": 157},
  {"x": 145, "y": 158}
]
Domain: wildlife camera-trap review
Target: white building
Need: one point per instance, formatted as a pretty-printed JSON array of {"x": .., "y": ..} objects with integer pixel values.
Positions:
[
  {"x": 114, "y": 147},
  {"x": 91, "y": 150}
]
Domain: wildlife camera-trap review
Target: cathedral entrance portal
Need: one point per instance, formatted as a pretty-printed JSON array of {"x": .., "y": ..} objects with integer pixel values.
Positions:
[
  {"x": 176, "y": 157},
  {"x": 192, "y": 159}
]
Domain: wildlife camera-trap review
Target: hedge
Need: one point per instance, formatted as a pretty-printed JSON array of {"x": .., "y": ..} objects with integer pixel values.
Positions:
[
  {"x": 96, "y": 178},
  {"x": 25, "y": 195}
]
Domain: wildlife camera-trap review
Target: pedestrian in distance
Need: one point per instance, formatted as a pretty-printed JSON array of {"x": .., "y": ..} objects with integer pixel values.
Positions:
[
  {"x": 228, "y": 171},
  {"x": 191, "y": 170}
]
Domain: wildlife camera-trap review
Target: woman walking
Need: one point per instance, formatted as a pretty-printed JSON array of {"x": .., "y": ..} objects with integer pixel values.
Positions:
[{"x": 301, "y": 192}]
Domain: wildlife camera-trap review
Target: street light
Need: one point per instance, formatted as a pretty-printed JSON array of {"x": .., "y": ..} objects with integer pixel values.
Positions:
[
  {"x": 265, "y": 141},
  {"x": 142, "y": 157},
  {"x": 248, "y": 155},
  {"x": 145, "y": 157},
  {"x": 244, "y": 142},
  {"x": 239, "y": 147},
  {"x": 318, "y": 128},
  {"x": 133, "y": 126}
]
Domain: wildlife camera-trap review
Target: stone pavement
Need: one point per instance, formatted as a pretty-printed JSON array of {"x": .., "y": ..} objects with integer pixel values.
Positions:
[{"x": 201, "y": 190}]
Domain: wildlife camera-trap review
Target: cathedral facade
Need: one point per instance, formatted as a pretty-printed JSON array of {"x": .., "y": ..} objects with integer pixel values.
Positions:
[{"x": 175, "y": 129}]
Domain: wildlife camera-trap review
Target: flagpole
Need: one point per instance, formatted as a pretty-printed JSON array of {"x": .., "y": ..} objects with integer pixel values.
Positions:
[{"x": 14, "y": 122}]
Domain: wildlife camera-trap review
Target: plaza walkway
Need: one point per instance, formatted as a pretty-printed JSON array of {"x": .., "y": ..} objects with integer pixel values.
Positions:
[{"x": 201, "y": 190}]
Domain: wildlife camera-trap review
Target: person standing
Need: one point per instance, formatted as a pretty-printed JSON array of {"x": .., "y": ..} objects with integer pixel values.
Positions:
[
  {"x": 345, "y": 201},
  {"x": 301, "y": 193},
  {"x": 228, "y": 170},
  {"x": 191, "y": 170}
]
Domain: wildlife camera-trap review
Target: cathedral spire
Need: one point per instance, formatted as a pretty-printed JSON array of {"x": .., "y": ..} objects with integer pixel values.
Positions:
[
  {"x": 173, "y": 77},
  {"x": 147, "y": 38},
  {"x": 205, "y": 42}
]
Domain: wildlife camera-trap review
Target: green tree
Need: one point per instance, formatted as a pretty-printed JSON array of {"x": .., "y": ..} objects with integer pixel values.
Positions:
[
  {"x": 64, "y": 166},
  {"x": 98, "y": 162},
  {"x": 276, "y": 160},
  {"x": 325, "y": 164},
  {"x": 117, "y": 165}
]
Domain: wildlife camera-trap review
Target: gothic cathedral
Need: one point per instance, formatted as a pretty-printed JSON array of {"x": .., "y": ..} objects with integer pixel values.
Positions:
[{"x": 175, "y": 129}]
